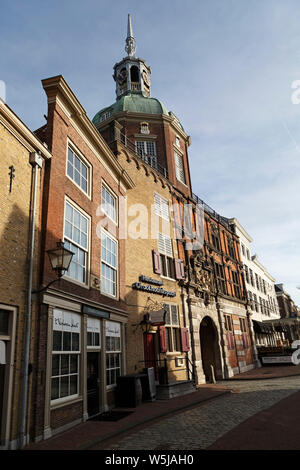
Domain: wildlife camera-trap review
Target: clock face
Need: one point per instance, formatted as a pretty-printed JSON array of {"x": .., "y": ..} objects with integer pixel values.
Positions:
[
  {"x": 146, "y": 78},
  {"x": 122, "y": 77}
]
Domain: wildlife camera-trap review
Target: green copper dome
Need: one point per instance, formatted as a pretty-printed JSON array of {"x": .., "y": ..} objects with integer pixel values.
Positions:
[{"x": 136, "y": 103}]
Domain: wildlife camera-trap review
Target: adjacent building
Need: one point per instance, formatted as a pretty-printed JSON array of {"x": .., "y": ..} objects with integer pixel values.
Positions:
[{"x": 22, "y": 157}]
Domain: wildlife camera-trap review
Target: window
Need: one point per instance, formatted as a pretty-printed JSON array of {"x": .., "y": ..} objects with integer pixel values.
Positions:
[
  {"x": 228, "y": 323},
  {"x": 243, "y": 325},
  {"x": 113, "y": 352},
  {"x": 165, "y": 249},
  {"x": 236, "y": 284},
  {"x": 221, "y": 278},
  {"x": 255, "y": 302},
  {"x": 78, "y": 171},
  {"x": 93, "y": 332},
  {"x": 231, "y": 247},
  {"x": 251, "y": 300},
  {"x": 161, "y": 207},
  {"x": 105, "y": 116},
  {"x": 172, "y": 328},
  {"x": 246, "y": 273},
  {"x": 109, "y": 264},
  {"x": 251, "y": 277},
  {"x": 109, "y": 203},
  {"x": 243, "y": 250},
  {"x": 177, "y": 141},
  {"x": 248, "y": 254},
  {"x": 257, "y": 282},
  {"x": 65, "y": 355},
  {"x": 76, "y": 239},
  {"x": 179, "y": 168},
  {"x": 4, "y": 322},
  {"x": 146, "y": 147},
  {"x": 215, "y": 236}
]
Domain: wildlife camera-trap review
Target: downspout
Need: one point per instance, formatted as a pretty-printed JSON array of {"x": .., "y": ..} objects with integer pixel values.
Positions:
[{"x": 35, "y": 161}]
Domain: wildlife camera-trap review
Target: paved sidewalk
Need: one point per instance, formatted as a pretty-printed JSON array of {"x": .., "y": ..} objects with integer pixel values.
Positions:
[
  {"x": 90, "y": 433},
  {"x": 94, "y": 433}
]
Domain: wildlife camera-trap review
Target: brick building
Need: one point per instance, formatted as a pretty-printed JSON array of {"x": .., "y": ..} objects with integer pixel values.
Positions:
[
  {"x": 80, "y": 343},
  {"x": 20, "y": 187},
  {"x": 153, "y": 139}
]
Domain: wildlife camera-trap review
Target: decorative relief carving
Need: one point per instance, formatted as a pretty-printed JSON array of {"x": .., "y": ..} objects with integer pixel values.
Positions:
[{"x": 202, "y": 277}]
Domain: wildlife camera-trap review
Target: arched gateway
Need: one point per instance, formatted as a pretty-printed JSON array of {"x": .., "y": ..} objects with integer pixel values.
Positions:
[{"x": 210, "y": 352}]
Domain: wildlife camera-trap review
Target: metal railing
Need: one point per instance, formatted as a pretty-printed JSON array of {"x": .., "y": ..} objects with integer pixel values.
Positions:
[
  {"x": 147, "y": 158},
  {"x": 211, "y": 211}
]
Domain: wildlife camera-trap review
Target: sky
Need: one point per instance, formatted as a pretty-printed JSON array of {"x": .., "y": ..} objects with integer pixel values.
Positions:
[{"x": 226, "y": 68}]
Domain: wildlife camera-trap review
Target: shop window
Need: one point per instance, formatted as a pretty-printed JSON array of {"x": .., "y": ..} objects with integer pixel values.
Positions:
[
  {"x": 113, "y": 352},
  {"x": 65, "y": 355},
  {"x": 93, "y": 332}
]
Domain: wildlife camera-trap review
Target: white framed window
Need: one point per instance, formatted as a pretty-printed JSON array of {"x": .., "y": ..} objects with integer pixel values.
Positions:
[
  {"x": 161, "y": 207},
  {"x": 172, "y": 327},
  {"x": 65, "y": 355},
  {"x": 179, "y": 167},
  {"x": 165, "y": 249},
  {"x": 93, "y": 333},
  {"x": 145, "y": 148},
  {"x": 177, "y": 141},
  {"x": 76, "y": 238},
  {"x": 109, "y": 203},
  {"x": 113, "y": 352},
  {"x": 109, "y": 264},
  {"x": 78, "y": 170}
]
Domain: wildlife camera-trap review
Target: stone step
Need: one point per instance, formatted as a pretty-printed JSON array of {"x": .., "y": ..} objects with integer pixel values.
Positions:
[{"x": 174, "y": 389}]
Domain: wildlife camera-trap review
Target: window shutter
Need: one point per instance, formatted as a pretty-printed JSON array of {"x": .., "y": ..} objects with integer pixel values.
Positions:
[
  {"x": 245, "y": 340},
  {"x": 156, "y": 262},
  {"x": 185, "y": 339},
  {"x": 163, "y": 339},
  {"x": 179, "y": 268},
  {"x": 230, "y": 340}
]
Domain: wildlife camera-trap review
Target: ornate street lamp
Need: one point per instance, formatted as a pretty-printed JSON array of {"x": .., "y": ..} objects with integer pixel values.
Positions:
[{"x": 60, "y": 258}]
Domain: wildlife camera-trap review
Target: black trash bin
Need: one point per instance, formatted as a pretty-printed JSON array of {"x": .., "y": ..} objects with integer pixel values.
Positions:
[{"x": 129, "y": 390}]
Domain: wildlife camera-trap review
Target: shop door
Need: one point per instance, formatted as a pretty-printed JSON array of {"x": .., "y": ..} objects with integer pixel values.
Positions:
[
  {"x": 93, "y": 383},
  {"x": 149, "y": 351}
]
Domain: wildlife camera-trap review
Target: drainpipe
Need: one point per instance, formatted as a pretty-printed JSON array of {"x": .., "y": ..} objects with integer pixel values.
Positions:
[{"x": 35, "y": 161}]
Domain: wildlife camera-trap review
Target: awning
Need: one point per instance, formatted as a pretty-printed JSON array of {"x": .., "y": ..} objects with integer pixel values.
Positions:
[
  {"x": 2, "y": 353},
  {"x": 260, "y": 327}
]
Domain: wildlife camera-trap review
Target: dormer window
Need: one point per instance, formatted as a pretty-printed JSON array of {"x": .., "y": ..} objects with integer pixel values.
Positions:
[{"x": 144, "y": 128}]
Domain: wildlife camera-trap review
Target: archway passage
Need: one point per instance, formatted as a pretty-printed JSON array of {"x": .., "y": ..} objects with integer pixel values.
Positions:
[{"x": 209, "y": 348}]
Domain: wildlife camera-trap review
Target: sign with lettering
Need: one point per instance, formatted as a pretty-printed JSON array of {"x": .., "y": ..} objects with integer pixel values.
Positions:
[
  {"x": 66, "y": 321},
  {"x": 157, "y": 317},
  {"x": 153, "y": 290},
  {"x": 113, "y": 329},
  {"x": 149, "y": 280}
]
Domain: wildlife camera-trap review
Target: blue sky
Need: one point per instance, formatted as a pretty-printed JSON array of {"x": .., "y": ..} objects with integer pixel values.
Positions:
[{"x": 224, "y": 67}]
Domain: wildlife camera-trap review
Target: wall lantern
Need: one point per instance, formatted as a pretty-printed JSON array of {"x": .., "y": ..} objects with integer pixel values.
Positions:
[
  {"x": 146, "y": 323},
  {"x": 60, "y": 259}
]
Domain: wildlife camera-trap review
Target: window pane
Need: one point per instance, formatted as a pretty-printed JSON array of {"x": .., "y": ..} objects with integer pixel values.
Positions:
[
  {"x": 67, "y": 341},
  {"x": 64, "y": 386},
  {"x": 75, "y": 342},
  {"x": 54, "y": 389},
  {"x": 89, "y": 338},
  {"x": 73, "y": 384},
  {"x": 4, "y": 316},
  {"x": 73, "y": 363},
  {"x": 65, "y": 364},
  {"x": 55, "y": 364},
  {"x": 57, "y": 340}
]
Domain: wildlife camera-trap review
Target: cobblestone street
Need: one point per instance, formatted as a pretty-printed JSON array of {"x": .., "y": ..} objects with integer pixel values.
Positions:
[{"x": 201, "y": 426}]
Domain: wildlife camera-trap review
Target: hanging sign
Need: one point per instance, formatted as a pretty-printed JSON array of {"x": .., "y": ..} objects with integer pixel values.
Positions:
[{"x": 157, "y": 317}]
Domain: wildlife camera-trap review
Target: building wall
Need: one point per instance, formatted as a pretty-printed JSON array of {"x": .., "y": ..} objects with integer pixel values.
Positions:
[{"x": 16, "y": 143}]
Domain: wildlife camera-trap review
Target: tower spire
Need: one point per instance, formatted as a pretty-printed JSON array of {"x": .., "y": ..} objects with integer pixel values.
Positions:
[{"x": 130, "y": 46}]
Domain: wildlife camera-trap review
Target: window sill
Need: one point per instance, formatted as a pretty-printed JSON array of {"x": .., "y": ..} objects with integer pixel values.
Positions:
[
  {"x": 74, "y": 281},
  {"x": 168, "y": 278},
  {"x": 61, "y": 402}
]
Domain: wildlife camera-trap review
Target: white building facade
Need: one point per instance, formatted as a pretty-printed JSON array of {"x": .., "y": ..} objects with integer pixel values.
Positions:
[{"x": 260, "y": 288}]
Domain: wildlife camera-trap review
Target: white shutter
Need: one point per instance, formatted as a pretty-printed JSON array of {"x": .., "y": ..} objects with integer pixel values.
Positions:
[
  {"x": 179, "y": 168},
  {"x": 165, "y": 246},
  {"x": 161, "y": 207}
]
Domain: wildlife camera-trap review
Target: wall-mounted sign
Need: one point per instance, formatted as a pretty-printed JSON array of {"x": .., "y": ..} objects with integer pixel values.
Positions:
[
  {"x": 149, "y": 280},
  {"x": 157, "y": 317},
  {"x": 153, "y": 290},
  {"x": 97, "y": 312},
  {"x": 66, "y": 321},
  {"x": 277, "y": 359},
  {"x": 112, "y": 329}
]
